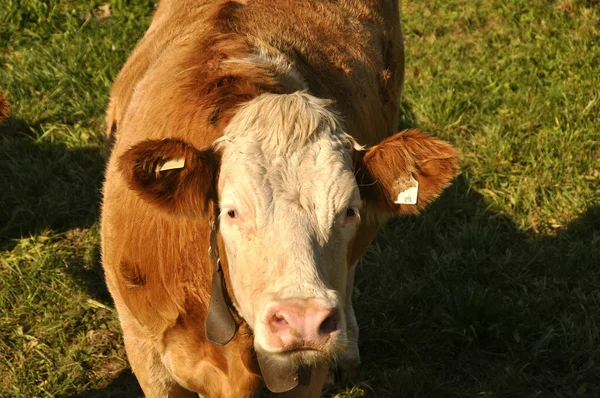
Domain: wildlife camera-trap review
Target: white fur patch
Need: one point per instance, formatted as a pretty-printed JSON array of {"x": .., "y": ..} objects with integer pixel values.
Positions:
[{"x": 276, "y": 61}]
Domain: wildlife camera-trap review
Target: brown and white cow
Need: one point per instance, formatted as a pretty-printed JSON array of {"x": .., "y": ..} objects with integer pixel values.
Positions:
[
  {"x": 241, "y": 122},
  {"x": 3, "y": 107}
]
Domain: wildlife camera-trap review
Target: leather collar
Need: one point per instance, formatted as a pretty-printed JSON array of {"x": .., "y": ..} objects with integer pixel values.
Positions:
[{"x": 219, "y": 325}]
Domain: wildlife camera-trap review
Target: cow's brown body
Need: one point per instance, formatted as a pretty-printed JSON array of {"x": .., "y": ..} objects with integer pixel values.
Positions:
[{"x": 185, "y": 80}]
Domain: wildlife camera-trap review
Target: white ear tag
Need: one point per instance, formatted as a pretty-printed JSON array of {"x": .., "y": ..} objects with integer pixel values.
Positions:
[
  {"x": 409, "y": 195},
  {"x": 172, "y": 164}
]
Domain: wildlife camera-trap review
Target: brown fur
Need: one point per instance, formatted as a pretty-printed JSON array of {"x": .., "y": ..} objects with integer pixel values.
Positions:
[
  {"x": 173, "y": 98},
  {"x": 4, "y": 108}
]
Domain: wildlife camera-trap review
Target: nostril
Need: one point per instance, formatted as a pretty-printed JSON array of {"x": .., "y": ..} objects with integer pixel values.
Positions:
[
  {"x": 329, "y": 325},
  {"x": 278, "y": 322}
]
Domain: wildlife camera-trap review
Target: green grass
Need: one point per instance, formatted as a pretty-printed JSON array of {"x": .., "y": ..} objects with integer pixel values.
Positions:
[{"x": 494, "y": 291}]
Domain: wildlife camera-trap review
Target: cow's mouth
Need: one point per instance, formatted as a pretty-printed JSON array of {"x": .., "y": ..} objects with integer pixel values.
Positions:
[
  {"x": 298, "y": 353},
  {"x": 306, "y": 353},
  {"x": 302, "y": 349}
]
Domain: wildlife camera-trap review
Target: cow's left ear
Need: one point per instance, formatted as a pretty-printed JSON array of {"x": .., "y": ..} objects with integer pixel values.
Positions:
[
  {"x": 405, "y": 172},
  {"x": 172, "y": 175}
]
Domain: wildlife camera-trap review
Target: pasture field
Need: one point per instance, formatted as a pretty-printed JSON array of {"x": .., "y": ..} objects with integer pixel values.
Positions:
[{"x": 493, "y": 292}]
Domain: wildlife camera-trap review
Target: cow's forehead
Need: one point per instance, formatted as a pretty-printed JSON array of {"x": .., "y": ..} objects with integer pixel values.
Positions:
[
  {"x": 299, "y": 156},
  {"x": 320, "y": 166}
]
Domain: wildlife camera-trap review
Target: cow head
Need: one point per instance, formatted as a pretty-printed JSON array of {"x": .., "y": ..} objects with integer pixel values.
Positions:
[{"x": 293, "y": 190}]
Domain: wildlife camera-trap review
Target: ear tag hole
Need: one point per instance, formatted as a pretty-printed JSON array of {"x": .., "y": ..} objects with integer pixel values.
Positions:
[
  {"x": 172, "y": 164},
  {"x": 409, "y": 191}
]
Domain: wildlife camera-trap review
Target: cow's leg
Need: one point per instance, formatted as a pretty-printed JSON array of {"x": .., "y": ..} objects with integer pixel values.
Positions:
[{"x": 147, "y": 367}]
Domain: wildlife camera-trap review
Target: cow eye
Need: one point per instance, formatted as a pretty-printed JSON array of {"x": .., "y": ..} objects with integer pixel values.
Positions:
[
  {"x": 350, "y": 212},
  {"x": 232, "y": 214}
]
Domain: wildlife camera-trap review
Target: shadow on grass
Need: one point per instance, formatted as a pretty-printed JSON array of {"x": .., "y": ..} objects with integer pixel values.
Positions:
[
  {"x": 45, "y": 185},
  {"x": 49, "y": 187},
  {"x": 461, "y": 302},
  {"x": 124, "y": 385}
]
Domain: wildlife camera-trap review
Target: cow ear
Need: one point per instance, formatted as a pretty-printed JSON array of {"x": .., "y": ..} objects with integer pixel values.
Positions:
[
  {"x": 405, "y": 172},
  {"x": 172, "y": 175}
]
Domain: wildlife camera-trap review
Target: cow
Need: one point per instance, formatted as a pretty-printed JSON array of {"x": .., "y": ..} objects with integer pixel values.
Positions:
[
  {"x": 253, "y": 157},
  {"x": 3, "y": 107}
]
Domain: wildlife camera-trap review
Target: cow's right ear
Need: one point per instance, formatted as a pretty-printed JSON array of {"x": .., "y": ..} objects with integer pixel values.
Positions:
[{"x": 172, "y": 175}]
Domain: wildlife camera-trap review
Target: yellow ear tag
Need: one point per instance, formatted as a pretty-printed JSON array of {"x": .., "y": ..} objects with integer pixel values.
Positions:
[
  {"x": 172, "y": 164},
  {"x": 410, "y": 193}
]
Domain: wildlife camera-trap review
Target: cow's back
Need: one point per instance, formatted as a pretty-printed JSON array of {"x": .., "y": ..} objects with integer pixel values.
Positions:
[{"x": 348, "y": 51}]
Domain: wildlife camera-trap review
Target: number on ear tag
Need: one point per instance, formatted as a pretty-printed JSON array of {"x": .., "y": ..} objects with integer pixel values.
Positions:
[{"x": 409, "y": 195}]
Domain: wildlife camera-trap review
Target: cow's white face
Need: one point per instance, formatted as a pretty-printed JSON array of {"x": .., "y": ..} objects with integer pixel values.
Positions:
[{"x": 290, "y": 206}]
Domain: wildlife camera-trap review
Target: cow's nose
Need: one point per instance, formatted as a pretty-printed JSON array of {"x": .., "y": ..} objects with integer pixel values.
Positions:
[{"x": 300, "y": 325}]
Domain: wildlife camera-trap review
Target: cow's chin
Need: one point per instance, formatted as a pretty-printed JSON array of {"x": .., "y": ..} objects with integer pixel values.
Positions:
[{"x": 301, "y": 354}]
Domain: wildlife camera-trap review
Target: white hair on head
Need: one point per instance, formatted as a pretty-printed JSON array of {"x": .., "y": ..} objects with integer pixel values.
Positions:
[
  {"x": 276, "y": 62},
  {"x": 283, "y": 122}
]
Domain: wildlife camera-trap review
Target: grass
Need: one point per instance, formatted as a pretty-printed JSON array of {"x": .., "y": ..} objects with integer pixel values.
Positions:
[{"x": 493, "y": 292}]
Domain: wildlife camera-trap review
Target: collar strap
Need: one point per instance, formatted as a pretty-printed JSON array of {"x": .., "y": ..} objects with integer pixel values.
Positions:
[
  {"x": 219, "y": 325},
  {"x": 281, "y": 375}
]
